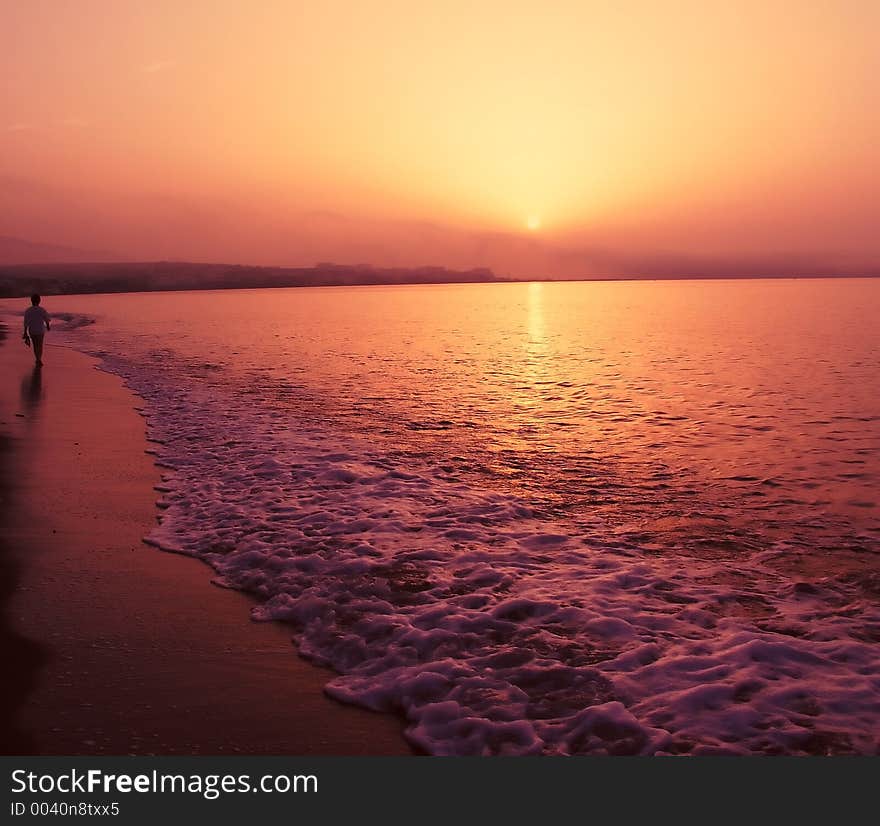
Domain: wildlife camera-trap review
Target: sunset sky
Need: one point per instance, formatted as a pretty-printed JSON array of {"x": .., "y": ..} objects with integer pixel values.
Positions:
[{"x": 538, "y": 138}]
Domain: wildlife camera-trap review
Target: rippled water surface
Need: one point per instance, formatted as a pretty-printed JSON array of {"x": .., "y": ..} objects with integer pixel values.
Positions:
[
  {"x": 596, "y": 483},
  {"x": 693, "y": 412}
]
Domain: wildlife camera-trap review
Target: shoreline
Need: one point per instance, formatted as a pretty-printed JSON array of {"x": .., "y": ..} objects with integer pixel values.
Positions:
[
  {"x": 48, "y": 290},
  {"x": 114, "y": 647}
]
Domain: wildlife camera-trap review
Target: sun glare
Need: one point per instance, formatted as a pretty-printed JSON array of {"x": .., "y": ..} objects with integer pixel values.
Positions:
[{"x": 533, "y": 223}]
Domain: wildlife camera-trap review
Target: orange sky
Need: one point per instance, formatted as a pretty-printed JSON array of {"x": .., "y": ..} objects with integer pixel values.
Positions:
[{"x": 540, "y": 138}]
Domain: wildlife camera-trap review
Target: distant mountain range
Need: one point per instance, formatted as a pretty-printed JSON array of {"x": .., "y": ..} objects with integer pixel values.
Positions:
[
  {"x": 27, "y": 267},
  {"x": 73, "y": 278}
]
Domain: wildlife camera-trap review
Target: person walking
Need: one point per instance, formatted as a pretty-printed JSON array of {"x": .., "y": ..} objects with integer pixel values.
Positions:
[{"x": 36, "y": 324}]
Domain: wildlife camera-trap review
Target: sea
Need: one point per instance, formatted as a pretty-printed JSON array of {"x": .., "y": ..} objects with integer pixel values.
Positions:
[{"x": 635, "y": 517}]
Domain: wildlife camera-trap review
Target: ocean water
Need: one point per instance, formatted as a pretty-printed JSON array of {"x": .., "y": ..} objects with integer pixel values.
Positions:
[{"x": 545, "y": 518}]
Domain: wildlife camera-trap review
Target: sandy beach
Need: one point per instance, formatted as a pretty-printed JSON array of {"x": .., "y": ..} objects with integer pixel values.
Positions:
[{"x": 113, "y": 647}]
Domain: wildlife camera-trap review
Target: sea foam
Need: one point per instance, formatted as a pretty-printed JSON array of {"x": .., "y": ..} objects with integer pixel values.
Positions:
[{"x": 491, "y": 628}]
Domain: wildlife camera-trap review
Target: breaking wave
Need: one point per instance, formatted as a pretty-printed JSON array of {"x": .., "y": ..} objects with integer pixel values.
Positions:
[{"x": 492, "y": 628}]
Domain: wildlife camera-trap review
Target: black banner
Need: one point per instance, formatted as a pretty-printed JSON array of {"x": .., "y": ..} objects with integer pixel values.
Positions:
[{"x": 138, "y": 790}]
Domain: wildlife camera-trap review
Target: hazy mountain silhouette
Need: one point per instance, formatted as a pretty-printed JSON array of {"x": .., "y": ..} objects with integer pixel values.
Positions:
[
  {"x": 20, "y": 251},
  {"x": 94, "y": 277}
]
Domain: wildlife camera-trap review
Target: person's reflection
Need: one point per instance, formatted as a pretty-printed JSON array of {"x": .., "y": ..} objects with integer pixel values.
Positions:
[{"x": 32, "y": 390}]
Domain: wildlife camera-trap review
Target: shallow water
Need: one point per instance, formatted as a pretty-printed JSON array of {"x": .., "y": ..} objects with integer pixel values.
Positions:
[{"x": 558, "y": 518}]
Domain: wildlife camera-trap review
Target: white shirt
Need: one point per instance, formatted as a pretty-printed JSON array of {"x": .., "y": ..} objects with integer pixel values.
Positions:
[{"x": 36, "y": 320}]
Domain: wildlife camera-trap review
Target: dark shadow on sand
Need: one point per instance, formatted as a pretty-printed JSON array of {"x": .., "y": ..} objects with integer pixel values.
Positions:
[
  {"x": 20, "y": 658},
  {"x": 32, "y": 391}
]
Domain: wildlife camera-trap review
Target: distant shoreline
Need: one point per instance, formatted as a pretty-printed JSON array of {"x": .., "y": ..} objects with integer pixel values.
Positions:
[
  {"x": 76, "y": 279},
  {"x": 18, "y": 280}
]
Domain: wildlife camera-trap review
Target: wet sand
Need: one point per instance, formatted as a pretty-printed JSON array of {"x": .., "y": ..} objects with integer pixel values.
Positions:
[{"x": 113, "y": 647}]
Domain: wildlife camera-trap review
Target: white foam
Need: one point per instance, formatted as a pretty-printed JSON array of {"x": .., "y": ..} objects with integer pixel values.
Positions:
[{"x": 494, "y": 631}]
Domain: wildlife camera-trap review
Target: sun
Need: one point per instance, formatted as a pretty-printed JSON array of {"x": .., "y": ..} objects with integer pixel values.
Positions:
[{"x": 533, "y": 222}]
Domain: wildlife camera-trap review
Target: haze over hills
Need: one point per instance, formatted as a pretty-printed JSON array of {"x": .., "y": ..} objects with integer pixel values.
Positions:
[
  {"x": 50, "y": 278},
  {"x": 56, "y": 279},
  {"x": 21, "y": 251},
  {"x": 28, "y": 266}
]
